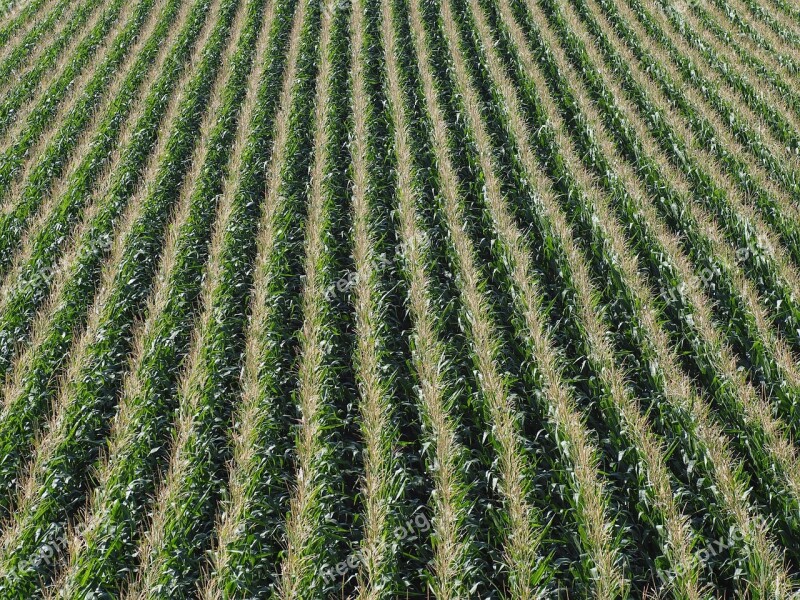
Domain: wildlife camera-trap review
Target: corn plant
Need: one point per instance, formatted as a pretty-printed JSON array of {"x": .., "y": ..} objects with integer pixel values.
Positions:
[
  {"x": 33, "y": 279},
  {"x": 734, "y": 17},
  {"x": 96, "y": 390},
  {"x": 453, "y": 568},
  {"x": 714, "y": 380},
  {"x": 633, "y": 215},
  {"x": 25, "y": 15},
  {"x": 21, "y": 51},
  {"x": 704, "y": 185},
  {"x": 778, "y": 124},
  {"x": 54, "y": 158},
  {"x": 399, "y": 298},
  {"x": 262, "y": 447},
  {"x": 29, "y": 83},
  {"x": 383, "y": 477},
  {"x": 134, "y": 470},
  {"x": 42, "y": 112},
  {"x": 188, "y": 516},
  {"x": 729, "y": 112},
  {"x": 30, "y": 400},
  {"x": 526, "y": 567},
  {"x": 708, "y": 129},
  {"x": 747, "y": 57}
]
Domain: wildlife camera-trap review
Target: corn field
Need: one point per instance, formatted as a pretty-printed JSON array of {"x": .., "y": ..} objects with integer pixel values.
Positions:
[{"x": 386, "y": 299}]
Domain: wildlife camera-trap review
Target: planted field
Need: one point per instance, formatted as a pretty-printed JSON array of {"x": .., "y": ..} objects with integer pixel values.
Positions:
[{"x": 399, "y": 299}]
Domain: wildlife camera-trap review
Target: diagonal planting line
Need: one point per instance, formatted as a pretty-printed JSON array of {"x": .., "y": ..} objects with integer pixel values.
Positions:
[
  {"x": 19, "y": 92},
  {"x": 57, "y": 149},
  {"x": 738, "y": 401},
  {"x": 186, "y": 503},
  {"x": 770, "y": 69},
  {"x": 28, "y": 107},
  {"x": 763, "y": 563},
  {"x": 677, "y": 535},
  {"x": 35, "y": 380},
  {"x": 20, "y": 15},
  {"x": 772, "y": 90},
  {"x": 23, "y": 49},
  {"x": 775, "y": 46},
  {"x": 136, "y": 454},
  {"x": 721, "y": 258},
  {"x": 63, "y": 477},
  {"x": 29, "y": 278},
  {"x": 229, "y": 575},
  {"x": 759, "y": 183},
  {"x": 521, "y": 550},
  {"x": 451, "y": 575}
]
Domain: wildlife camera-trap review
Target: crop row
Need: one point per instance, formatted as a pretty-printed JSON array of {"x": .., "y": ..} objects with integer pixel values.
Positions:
[
  {"x": 304, "y": 525},
  {"x": 149, "y": 400},
  {"x": 36, "y": 265},
  {"x": 386, "y": 298},
  {"x": 594, "y": 221},
  {"x": 54, "y": 158},
  {"x": 30, "y": 80},
  {"x": 61, "y": 477},
  {"x": 248, "y": 560},
  {"x": 196, "y": 477},
  {"x": 736, "y": 292},
  {"x": 733, "y": 392},
  {"x": 779, "y": 26},
  {"x": 765, "y": 69},
  {"x": 13, "y": 105},
  {"x": 632, "y": 216},
  {"x": 29, "y": 10},
  {"x": 22, "y": 48},
  {"x": 709, "y": 130},
  {"x": 698, "y": 75},
  {"x": 384, "y": 476},
  {"x": 733, "y": 15},
  {"x": 780, "y": 126},
  {"x": 29, "y": 400},
  {"x": 452, "y": 566}
]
